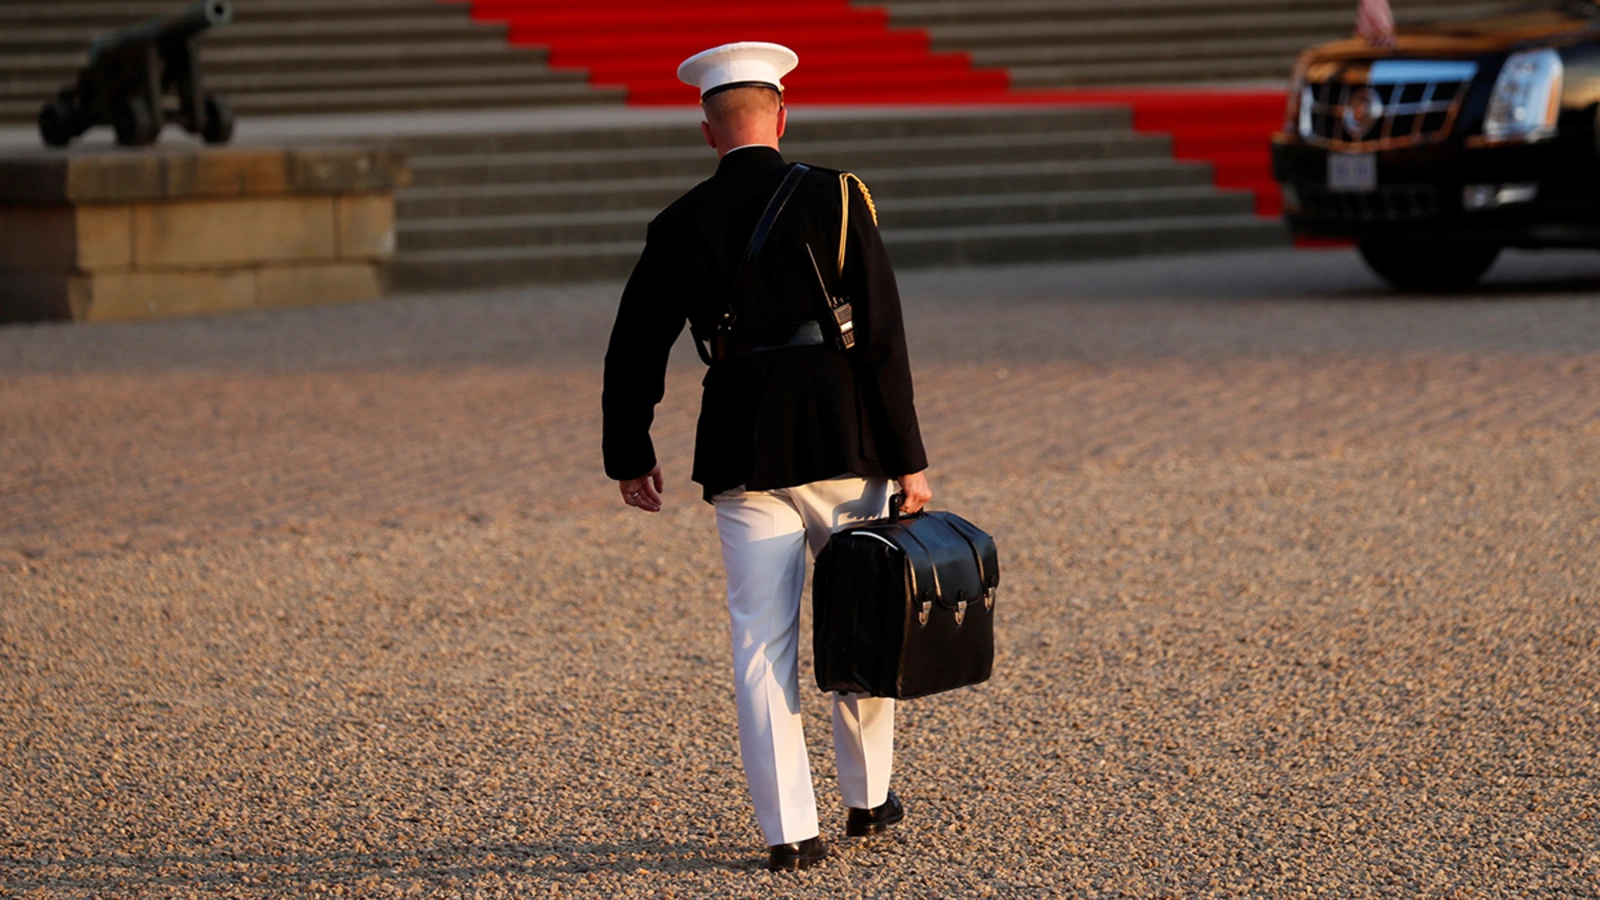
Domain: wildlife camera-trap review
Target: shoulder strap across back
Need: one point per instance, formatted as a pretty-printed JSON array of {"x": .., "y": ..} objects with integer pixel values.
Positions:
[{"x": 758, "y": 239}]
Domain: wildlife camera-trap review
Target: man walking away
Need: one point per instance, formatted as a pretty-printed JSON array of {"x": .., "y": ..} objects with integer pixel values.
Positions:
[{"x": 806, "y": 417}]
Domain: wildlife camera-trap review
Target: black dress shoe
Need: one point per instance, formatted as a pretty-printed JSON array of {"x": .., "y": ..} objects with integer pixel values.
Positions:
[
  {"x": 794, "y": 857},
  {"x": 864, "y": 822}
]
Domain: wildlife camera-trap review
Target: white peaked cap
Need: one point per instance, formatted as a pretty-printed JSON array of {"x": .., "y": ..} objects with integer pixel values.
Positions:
[{"x": 745, "y": 64}]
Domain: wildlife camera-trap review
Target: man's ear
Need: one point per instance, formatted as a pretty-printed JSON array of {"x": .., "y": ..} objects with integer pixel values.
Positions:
[
  {"x": 711, "y": 139},
  {"x": 783, "y": 119}
]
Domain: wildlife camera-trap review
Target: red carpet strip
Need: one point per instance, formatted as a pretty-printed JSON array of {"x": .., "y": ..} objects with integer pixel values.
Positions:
[{"x": 851, "y": 56}]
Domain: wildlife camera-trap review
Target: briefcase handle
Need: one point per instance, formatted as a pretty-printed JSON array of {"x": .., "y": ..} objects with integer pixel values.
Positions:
[{"x": 895, "y": 502}]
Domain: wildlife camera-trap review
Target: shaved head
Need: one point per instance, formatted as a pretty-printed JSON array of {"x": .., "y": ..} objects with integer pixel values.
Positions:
[
  {"x": 741, "y": 102},
  {"x": 741, "y": 116}
]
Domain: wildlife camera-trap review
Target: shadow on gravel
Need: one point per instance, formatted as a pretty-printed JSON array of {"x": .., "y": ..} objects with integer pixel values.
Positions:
[
  {"x": 441, "y": 865},
  {"x": 1517, "y": 285},
  {"x": 1534, "y": 287}
]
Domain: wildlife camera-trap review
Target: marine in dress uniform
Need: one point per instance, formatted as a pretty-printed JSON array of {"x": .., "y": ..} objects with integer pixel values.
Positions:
[{"x": 797, "y": 437}]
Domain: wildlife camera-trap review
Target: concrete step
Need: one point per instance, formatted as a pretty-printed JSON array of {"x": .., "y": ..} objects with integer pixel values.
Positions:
[
  {"x": 107, "y": 14},
  {"x": 302, "y": 56},
  {"x": 513, "y": 200},
  {"x": 999, "y": 244},
  {"x": 952, "y": 186},
  {"x": 493, "y": 267},
  {"x": 664, "y": 137},
  {"x": 342, "y": 31},
  {"x": 924, "y": 14},
  {"x": 15, "y": 111},
  {"x": 488, "y": 49},
  {"x": 549, "y": 229},
  {"x": 292, "y": 103},
  {"x": 1313, "y": 25},
  {"x": 1160, "y": 71},
  {"x": 1117, "y": 53},
  {"x": 900, "y": 183},
  {"x": 290, "y": 79},
  {"x": 962, "y": 12},
  {"x": 804, "y": 128},
  {"x": 1075, "y": 206},
  {"x": 1062, "y": 43},
  {"x": 286, "y": 103},
  {"x": 864, "y": 154},
  {"x": 1008, "y": 209},
  {"x": 926, "y": 247},
  {"x": 505, "y": 74}
]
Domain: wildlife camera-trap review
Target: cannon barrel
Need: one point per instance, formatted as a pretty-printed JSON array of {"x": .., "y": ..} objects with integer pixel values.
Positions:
[{"x": 180, "y": 26}]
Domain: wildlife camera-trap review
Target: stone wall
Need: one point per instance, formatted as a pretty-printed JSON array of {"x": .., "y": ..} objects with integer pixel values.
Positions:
[{"x": 107, "y": 234}]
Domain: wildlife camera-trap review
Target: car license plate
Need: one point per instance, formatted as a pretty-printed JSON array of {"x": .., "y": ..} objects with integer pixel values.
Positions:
[{"x": 1352, "y": 172}]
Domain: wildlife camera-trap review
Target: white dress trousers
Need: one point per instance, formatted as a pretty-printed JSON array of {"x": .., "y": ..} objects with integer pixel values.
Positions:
[{"x": 765, "y": 535}]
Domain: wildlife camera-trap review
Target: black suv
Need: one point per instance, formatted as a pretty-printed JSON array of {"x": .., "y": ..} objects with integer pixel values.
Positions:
[{"x": 1465, "y": 138}]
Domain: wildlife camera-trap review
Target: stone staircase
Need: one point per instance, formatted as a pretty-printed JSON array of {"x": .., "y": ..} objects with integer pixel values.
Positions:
[
  {"x": 290, "y": 57},
  {"x": 953, "y": 187},
  {"x": 1071, "y": 43}
]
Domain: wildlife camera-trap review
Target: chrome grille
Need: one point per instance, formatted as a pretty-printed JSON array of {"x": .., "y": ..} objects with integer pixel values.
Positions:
[
  {"x": 1395, "y": 203},
  {"x": 1401, "y": 103}
]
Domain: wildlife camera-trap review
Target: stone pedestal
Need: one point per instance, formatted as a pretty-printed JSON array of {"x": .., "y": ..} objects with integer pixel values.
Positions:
[{"x": 113, "y": 235}]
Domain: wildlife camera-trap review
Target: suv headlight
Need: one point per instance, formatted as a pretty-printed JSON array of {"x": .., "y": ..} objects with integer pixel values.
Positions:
[{"x": 1526, "y": 99}]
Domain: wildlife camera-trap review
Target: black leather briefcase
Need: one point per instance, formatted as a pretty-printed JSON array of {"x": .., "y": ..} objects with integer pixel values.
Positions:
[{"x": 904, "y": 607}]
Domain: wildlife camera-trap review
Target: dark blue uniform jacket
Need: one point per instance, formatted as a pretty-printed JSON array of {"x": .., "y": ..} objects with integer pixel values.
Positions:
[{"x": 781, "y": 418}]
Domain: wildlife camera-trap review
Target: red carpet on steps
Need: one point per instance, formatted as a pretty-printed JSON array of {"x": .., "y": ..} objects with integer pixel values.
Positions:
[
  {"x": 1231, "y": 130},
  {"x": 850, "y": 56}
]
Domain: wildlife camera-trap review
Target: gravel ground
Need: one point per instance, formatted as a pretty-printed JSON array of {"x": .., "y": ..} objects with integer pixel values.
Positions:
[{"x": 1300, "y": 600}]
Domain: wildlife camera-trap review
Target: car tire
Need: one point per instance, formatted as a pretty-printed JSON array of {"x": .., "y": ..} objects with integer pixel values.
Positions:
[{"x": 1429, "y": 265}]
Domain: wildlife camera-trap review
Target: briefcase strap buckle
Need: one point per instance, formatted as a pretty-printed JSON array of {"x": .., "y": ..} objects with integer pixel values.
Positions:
[
  {"x": 961, "y": 612},
  {"x": 927, "y": 610}
]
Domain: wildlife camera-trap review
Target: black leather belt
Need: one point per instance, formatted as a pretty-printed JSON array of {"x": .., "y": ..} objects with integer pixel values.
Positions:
[{"x": 745, "y": 342}]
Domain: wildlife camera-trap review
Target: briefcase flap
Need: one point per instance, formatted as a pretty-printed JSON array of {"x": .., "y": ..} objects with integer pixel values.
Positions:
[{"x": 952, "y": 563}]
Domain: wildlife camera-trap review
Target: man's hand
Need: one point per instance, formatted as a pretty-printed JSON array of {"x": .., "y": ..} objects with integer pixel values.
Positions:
[
  {"x": 918, "y": 492},
  {"x": 643, "y": 492}
]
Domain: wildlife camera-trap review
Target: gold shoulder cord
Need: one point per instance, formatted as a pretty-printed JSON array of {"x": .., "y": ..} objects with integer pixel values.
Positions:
[{"x": 844, "y": 202}]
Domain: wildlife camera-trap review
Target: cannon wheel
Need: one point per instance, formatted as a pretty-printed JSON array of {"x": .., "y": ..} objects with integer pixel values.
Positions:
[
  {"x": 135, "y": 124},
  {"x": 219, "y": 120},
  {"x": 56, "y": 123}
]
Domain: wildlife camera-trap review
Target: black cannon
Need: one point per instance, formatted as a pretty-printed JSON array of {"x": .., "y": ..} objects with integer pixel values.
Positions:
[{"x": 130, "y": 75}]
